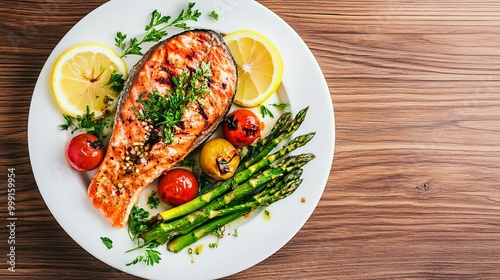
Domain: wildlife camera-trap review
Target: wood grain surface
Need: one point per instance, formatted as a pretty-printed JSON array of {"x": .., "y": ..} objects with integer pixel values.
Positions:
[{"x": 414, "y": 189}]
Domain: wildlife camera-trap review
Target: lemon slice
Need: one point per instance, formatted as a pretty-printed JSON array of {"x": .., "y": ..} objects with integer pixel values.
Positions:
[
  {"x": 260, "y": 66},
  {"x": 79, "y": 79}
]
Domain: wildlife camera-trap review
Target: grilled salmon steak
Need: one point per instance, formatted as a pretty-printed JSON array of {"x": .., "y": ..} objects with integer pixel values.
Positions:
[{"x": 139, "y": 149}]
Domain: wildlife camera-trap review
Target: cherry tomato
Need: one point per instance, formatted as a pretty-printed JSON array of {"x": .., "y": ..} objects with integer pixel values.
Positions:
[
  {"x": 84, "y": 152},
  {"x": 177, "y": 186},
  {"x": 219, "y": 159},
  {"x": 242, "y": 127}
]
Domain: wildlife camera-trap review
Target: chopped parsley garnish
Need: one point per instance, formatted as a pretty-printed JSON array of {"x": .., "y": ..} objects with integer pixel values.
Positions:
[
  {"x": 87, "y": 123},
  {"x": 153, "y": 201},
  {"x": 214, "y": 15},
  {"x": 219, "y": 233},
  {"x": 155, "y": 30},
  {"x": 166, "y": 111},
  {"x": 107, "y": 242}
]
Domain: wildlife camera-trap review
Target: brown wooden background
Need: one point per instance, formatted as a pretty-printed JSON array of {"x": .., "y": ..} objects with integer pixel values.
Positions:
[{"x": 414, "y": 190}]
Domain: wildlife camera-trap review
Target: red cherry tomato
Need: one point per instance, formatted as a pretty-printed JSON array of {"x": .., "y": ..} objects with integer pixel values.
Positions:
[
  {"x": 177, "y": 186},
  {"x": 241, "y": 127},
  {"x": 84, "y": 152}
]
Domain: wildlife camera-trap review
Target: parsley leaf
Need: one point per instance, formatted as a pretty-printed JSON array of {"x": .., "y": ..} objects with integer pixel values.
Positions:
[
  {"x": 108, "y": 242},
  {"x": 265, "y": 111},
  {"x": 155, "y": 30},
  {"x": 214, "y": 15},
  {"x": 137, "y": 221},
  {"x": 166, "y": 111},
  {"x": 280, "y": 106},
  {"x": 87, "y": 123},
  {"x": 153, "y": 201},
  {"x": 149, "y": 256},
  {"x": 116, "y": 81}
]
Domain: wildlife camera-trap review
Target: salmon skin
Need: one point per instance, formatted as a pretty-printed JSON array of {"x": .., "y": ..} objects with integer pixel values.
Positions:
[{"x": 137, "y": 154}]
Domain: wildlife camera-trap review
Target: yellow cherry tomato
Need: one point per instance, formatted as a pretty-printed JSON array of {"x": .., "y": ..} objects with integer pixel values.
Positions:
[{"x": 219, "y": 159}]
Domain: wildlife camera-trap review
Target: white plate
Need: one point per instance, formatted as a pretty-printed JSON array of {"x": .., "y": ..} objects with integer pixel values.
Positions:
[{"x": 64, "y": 189}]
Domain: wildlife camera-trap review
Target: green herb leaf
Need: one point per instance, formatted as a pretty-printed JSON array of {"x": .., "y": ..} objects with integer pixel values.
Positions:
[
  {"x": 214, "y": 15},
  {"x": 116, "y": 82},
  {"x": 264, "y": 111},
  {"x": 187, "y": 162},
  {"x": 155, "y": 30},
  {"x": 137, "y": 221},
  {"x": 280, "y": 106},
  {"x": 149, "y": 256},
  {"x": 153, "y": 201},
  {"x": 267, "y": 214},
  {"x": 108, "y": 242},
  {"x": 86, "y": 123}
]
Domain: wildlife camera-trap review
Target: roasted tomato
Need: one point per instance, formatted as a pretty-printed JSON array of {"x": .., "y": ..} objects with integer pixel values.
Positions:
[
  {"x": 242, "y": 127},
  {"x": 219, "y": 159},
  {"x": 177, "y": 186},
  {"x": 84, "y": 152}
]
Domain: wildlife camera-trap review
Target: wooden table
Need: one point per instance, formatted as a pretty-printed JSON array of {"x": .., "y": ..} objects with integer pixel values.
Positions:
[{"x": 414, "y": 190}]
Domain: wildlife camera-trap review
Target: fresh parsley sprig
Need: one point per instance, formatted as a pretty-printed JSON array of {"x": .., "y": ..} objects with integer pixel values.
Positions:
[
  {"x": 149, "y": 256},
  {"x": 265, "y": 111},
  {"x": 153, "y": 200},
  {"x": 87, "y": 123},
  {"x": 137, "y": 222},
  {"x": 155, "y": 30},
  {"x": 166, "y": 111},
  {"x": 116, "y": 82},
  {"x": 138, "y": 218}
]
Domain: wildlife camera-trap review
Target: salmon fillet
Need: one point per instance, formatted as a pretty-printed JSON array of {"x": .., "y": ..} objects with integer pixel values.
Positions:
[{"x": 137, "y": 154}]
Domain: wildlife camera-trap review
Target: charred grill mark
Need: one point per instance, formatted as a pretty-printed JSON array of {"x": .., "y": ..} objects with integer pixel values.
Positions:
[
  {"x": 191, "y": 55},
  {"x": 190, "y": 69},
  {"x": 181, "y": 125},
  {"x": 154, "y": 137},
  {"x": 163, "y": 80},
  {"x": 202, "y": 112}
]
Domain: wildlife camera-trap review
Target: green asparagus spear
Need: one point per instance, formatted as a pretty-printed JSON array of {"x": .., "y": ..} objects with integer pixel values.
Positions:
[
  {"x": 223, "y": 187},
  {"x": 278, "y": 127},
  {"x": 228, "y": 215},
  {"x": 273, "y": 142},
  {"x": 164, "y": 231},
  {"x": 273, "y": 188},
  {"x": 179, "y": 243},
  {"x": 283, "y": 125}
]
